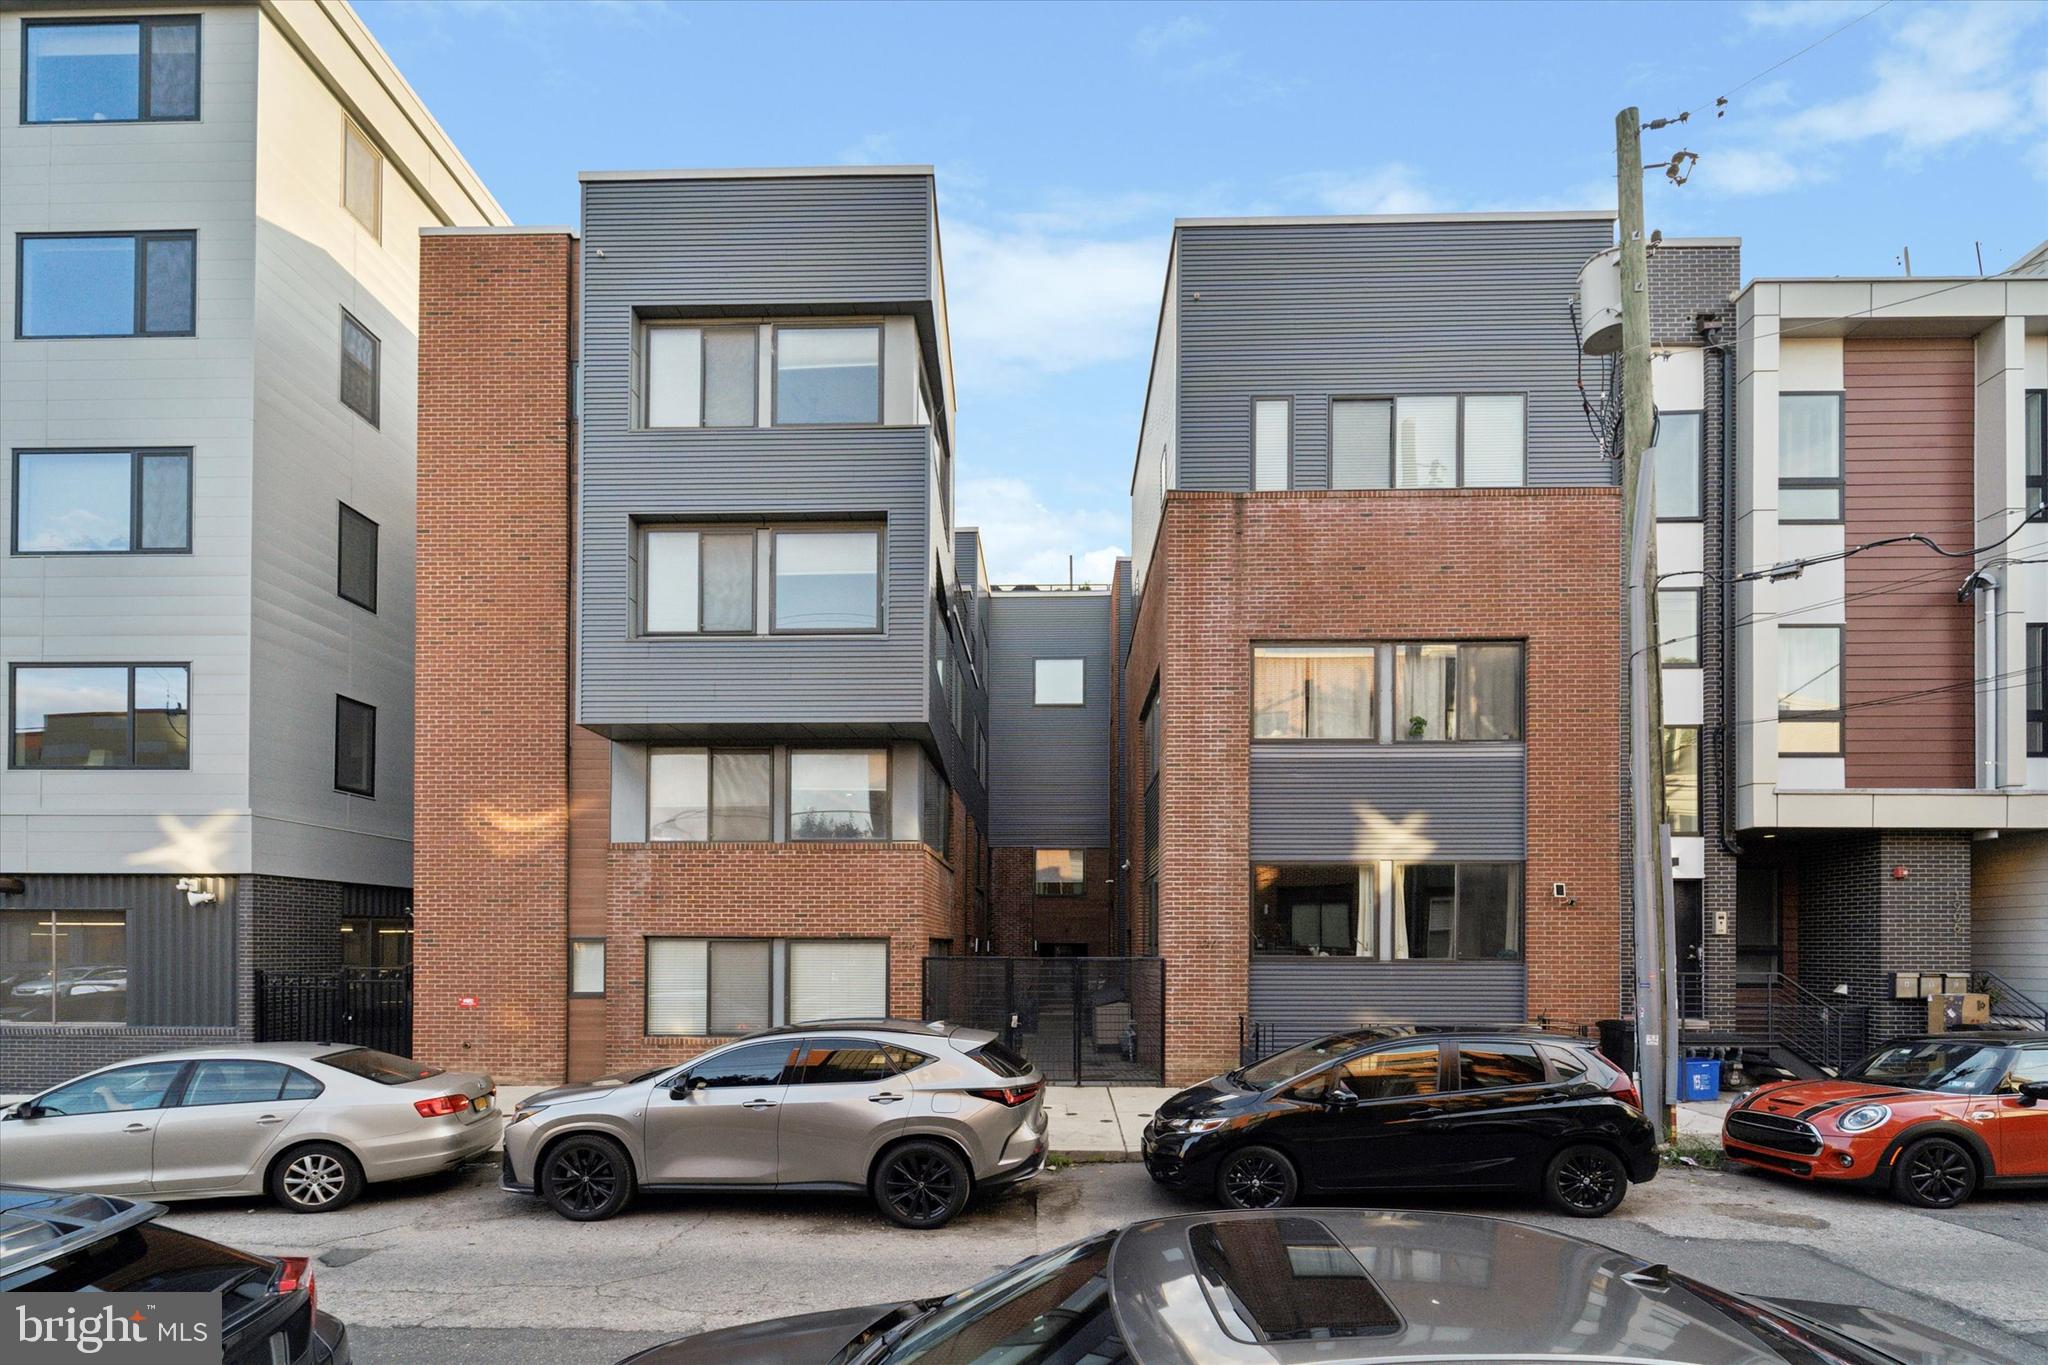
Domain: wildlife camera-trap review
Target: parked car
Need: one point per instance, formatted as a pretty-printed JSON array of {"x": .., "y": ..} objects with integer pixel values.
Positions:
[
  {"x": 918, "y": 1115},
  {"x": 1410, "y": 1108},
  {"x": 1329, "y": 1286},
  {"x": 96, "y": 1244},
  {"x": 1935, "y": 1118},
  {"x": 310, "y": 1123}
]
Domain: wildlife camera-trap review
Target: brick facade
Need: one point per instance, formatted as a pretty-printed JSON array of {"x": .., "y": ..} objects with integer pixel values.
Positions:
[
  {"x": 1858, "y": 922},
  {"x": 1025, "y": 919},
  {"x": 1229, "y": 569}
]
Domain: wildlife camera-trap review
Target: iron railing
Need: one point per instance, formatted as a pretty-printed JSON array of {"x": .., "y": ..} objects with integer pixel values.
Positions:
[
  {"x": 2011, "y": 1007},
  {"x": 1692, "y": 995},
  {"x": 366, "y": 1006},
  {"x": 1079, "y": 1018},
  {"x": 1254, "y": 1041},
  {"x": 1824, "y": 1031}
]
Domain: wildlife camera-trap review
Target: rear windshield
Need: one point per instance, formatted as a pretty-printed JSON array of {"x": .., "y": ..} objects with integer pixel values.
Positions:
[
  {"x": 1002, "y": 1060},
  {"x": 381, "y": 1067},
  {"x": 1287, "y": 1279},
  {"x": 146, "y": 1260}
]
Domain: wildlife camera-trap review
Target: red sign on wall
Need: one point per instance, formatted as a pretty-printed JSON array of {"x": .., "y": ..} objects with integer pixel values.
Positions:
[{"x": 465, "y": 1002}]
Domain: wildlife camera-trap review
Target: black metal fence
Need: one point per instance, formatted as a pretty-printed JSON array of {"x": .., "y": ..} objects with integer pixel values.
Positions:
[
  {"x": 367, "y": 1006},
  {"x": 1079, "y": 1018}
]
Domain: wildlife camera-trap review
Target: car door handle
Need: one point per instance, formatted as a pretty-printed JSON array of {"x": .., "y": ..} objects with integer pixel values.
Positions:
[
  {"x": 758, "y": 1104},
  {"x": 883, "y": 1099},
  {"x": 136, "y": 1128},
  {"x": 268, "y": 1119}
]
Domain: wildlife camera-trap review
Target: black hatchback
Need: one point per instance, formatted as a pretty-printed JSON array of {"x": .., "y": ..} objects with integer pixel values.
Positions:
[{"x": 1412, "y": 1109}]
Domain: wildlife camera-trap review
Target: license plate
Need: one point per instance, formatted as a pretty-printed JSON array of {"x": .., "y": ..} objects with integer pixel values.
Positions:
[{"x": 481, "y": 1103}]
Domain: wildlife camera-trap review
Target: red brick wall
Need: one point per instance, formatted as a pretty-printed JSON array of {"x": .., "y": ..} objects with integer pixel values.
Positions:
[
  {"x": 1024, "y": 918},
  {"x": 490, "y": 852},
  {"x": 1537, "y": 564}
]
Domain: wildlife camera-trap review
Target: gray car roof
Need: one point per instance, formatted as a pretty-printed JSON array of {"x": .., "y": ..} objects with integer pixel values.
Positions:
[{"x": 1465, "y": 1287}]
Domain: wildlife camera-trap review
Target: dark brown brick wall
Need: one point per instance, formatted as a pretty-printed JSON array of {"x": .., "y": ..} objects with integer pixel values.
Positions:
[
  {"x": 1857, "y": 923},
  {"x": 1025, "y": 919}
]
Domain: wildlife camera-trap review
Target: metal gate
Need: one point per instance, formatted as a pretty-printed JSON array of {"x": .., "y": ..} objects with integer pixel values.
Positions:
[
  {"x": 367, "y": 1006},
  {"x": 1079, "y": 1018}
]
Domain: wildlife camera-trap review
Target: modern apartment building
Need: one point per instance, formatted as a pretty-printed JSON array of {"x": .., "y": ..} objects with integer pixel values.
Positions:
[
  {"x": 687, "y": 545},
  {"x": 1372, "y": 696},
  {"x": 211, "y": 215}
]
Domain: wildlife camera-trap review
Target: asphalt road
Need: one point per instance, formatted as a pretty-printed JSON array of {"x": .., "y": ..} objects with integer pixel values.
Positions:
[{"x": 452, "y": 1270}]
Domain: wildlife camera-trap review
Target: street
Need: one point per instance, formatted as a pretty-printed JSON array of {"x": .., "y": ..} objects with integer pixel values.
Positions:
[{"x": 452, "y": 1270}]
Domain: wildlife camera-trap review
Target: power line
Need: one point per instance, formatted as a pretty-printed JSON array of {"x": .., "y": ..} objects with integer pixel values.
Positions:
[{"x": 1719, "y": 104}]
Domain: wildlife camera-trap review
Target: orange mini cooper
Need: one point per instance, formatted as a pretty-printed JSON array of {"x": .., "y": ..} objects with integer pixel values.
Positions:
[{"x": 1935, "y": 1118}]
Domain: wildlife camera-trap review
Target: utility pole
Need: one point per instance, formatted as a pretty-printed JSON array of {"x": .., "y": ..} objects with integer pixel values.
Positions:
[{"x": 1656, "y": 987}]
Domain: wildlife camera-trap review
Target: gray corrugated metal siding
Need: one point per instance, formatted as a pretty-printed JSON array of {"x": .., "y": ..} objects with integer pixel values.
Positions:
[
  {"x": 181, "y": 957},
  {"x": 1340, "y": 801},
  {"x": 1048, "y": 765},
  {"x": 1302, "y": 999}
]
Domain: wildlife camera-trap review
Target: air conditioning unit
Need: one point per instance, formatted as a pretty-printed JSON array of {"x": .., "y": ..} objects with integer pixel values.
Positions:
[{"x": 1600, "y": 304}]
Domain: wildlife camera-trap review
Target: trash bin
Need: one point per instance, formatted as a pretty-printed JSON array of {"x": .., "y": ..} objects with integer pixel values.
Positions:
[
  {"x": 1700, "y": 1079},
  {"x": 1618, "y": 1042}
]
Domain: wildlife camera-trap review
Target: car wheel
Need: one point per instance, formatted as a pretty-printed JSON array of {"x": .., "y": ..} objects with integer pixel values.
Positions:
[
  {"x": 316, "y": 1178},
  {"x": 1585, "y": 1181},
  {"x": 1256, "y": 1178},
  {"x": 921, "y": 1184},
  {"x": 1935, "y": 1173},
  {"x": 586, "y": 1178}
]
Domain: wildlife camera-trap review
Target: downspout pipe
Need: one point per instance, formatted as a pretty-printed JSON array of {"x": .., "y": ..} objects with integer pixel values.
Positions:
[{"x": 1725, "y": 755}]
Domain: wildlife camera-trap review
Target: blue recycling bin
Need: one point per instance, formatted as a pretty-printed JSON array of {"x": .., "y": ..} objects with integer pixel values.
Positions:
[{"x": 1699, "y": 1078}]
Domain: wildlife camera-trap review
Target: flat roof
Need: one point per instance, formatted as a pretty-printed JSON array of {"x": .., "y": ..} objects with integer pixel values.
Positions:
[
  {"x": 1343, "y": 219},
  {"x": 510, "y": 230},
  {"x": 756, "y": 173}
]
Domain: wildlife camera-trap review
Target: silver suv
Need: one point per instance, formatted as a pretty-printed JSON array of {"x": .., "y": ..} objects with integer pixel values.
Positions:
[{"x": 918, "y": 1115}]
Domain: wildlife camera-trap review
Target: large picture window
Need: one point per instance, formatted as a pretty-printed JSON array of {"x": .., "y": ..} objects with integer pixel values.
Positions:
[
  {"x": 96, "y": 502},
  {"x": 99, "y": 716},
  {"x": 827, "y": 581},
  {"x": 1458, "y": 692},
  {"x": 828, "y": 375},
  {"x": 1809, "y": 691},
  {"x": 1060, "y": 872},
  {"x": 722, "y": 987},
  {"x": 716, "y": 794},
  {"x": 838, "y": 794},
  {"x": 1429, "y": 441},
  {"x": 1458, "y": 912},
  {"x": 1809, "y": 457},
  {"x": 64, "y": 966},
  {"x": 1313, "y": 692},
  {"x": 1680, "y": 457},
  {"x": 110, "y": 71},
  {"x": 105, "y": 284},
  {"x": 1313, "y": 910}
]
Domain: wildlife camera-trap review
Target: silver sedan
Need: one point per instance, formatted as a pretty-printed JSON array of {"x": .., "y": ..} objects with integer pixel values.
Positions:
[{"x": 310, "y": 1123}]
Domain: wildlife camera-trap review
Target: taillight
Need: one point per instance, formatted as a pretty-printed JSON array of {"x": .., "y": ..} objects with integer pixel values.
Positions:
[
  {"x": 1621, "y": 1087},
  {"x": 297, "y": 1273},
  {"x": 1010, "y": 1096},
  {"x": 441, "y": 1106}
]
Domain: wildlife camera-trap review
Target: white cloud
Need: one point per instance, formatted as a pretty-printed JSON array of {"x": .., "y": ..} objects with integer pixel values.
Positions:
[
  {"x": 1024, "y": 303},
  {"x": 870, "y": 149},
  {"x": 1028, "y": 542},
  {"x": 1752, "y": 170},
  {"x": 1787, "y": 14},
  {"x": 1392, "y": 188},
  {"x": 1179, "y": 31}
]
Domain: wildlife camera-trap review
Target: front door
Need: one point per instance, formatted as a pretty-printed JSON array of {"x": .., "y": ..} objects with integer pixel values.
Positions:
[
  {"x": 2020, "y": 1145},
  {"x": 843, "y": 1101},
  {"x": 1688, "y": 918},
  {"x": 1501, "y": 1118},
  {"x": 94, "y": 1134},
  {"x": 1376, "y": 1132},
  {"x": 717, "y": 1124},
  {"x": 225, "y": 1123}
]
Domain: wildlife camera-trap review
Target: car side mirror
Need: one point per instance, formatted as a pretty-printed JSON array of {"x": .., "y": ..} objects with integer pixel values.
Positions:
[
  {"x": 1339, "y": 1096},
  {"x": 25, "y": 1110},
  {"x": 686, "y": 1087},
  {"x": 2033, "y": 1092}
]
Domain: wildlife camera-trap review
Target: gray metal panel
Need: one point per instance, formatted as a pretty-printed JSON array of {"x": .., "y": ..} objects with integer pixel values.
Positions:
[
  {"x": 1299, "y": 999},
  {"x": 1343, "y": 801},
  {"x": 1311, "y": 311},
  {"x": 181, "y": 957},
  {"x": 1048, "y": 765},
  {"x": 1126, "y": 611}
]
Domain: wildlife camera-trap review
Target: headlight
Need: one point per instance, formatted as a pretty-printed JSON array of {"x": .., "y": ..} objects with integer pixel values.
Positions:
[
  {"x": 525, "y": 1112},
  {"x": 1864, "y": 1117},
  {"x": 1191, "y": 1125}
]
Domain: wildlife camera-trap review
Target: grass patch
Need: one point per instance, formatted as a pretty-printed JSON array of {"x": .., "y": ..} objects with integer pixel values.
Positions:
[
  {"x": 1705, "y": 1152},
  {"x": 1058, "y": 1161}
]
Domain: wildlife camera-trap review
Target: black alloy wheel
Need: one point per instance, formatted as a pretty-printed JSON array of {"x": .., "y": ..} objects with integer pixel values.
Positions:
[
  {"x": 1935, "y": 1173},
  {"x": 586, "y": 1178},
  {"x": 1256, "y": 1178},
  {"x": 1585, "y": 1182},
  {"x": 921, "y": 1184}
]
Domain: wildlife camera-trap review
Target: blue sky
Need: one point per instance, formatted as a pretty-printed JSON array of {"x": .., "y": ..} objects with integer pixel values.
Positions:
[{"x": 1068, "y": 137}]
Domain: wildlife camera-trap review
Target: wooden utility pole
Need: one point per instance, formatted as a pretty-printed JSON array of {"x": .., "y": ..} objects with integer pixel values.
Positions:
[{"x": 1656, "y": 993}]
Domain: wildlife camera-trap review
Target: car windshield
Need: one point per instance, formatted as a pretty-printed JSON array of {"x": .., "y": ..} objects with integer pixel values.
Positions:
[
  {"x": 1055, "y": 1307},
  {"x": 1953, "y": 1066},
  {"x": 381, "y": 1067},
  {"x": 1283, "y": 1066}
]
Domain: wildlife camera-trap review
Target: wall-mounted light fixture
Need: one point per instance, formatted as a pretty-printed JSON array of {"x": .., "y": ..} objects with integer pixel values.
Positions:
[{"x": 195, "y": 894}]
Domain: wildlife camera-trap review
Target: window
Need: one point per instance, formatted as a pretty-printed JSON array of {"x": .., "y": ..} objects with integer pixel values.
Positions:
[
  {"x": 1392, "y": 1074},
  {"x": 2037, "y": 690},
  {"x": 1315, "y": 911},
  {"x": 380, "y": 942},
  {"x": 936, "y": 817},
  {"x": 356, "y": 556},
  {"x": 842, "y": 1061},
  {"x": 359, "y": 390},
  {"x": 99, "y": 71},
  {"x": 1680, "y": 456},
  {"x": 1810, "y": 690},
  {"x": 105, "y": 284},
  {"x": 355, "y": 747},
  {"x": 1060, "y": 872},
  {"x": 95, "y": 502},
  {"x": 1458, "y": 692},
  {"x": 1491, "y": 1066},
  {"x": 699, "y": 988},
  {"x": 1429, "y": 441},
  {"x": 827, "y": 581},
  {"x": 718, "y": 794},
  {"x": 828, "y": 375},
  {"x": 2037, "y": 454},
  {"x": 1059, "y": 682},
  {"x": 100, "y": 716},
  {"x": 838, "y": 978},
  {"x": 1493, "y": 455},
  {"x": 1464, "y": 912},
  {"x": 1362, "y": 443},
  {"x": 130, "y": 1087},
  {"x": 237, "y": 1082},
  {"x": 1757, "y": 949},
  {"x": 1678, "y": 627},
  {"x": 1272, "y": 442},
  {"x": 1682, "y": 778},
  {"x": 1810, "y": 457},
  {"x": 697, "y": 582},
  {"x": 838, "y": 794},
  {"x": 756, "y": 1064},
  {"x": 1313, "y": 692},
  {"x": 586, "y": 967},
  {"x": 65, "y": 966},
  {"x": 701, "y": 376},
  {"x": 362, "y": 177}
]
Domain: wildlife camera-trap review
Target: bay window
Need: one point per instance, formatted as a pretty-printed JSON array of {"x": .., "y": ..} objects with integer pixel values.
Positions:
[
  {"x": 827, "y": 581},
  {"x": 828, "y": 375},
  {"x": 721, "y": 795},
  {"x": 838, "y": 794}
]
